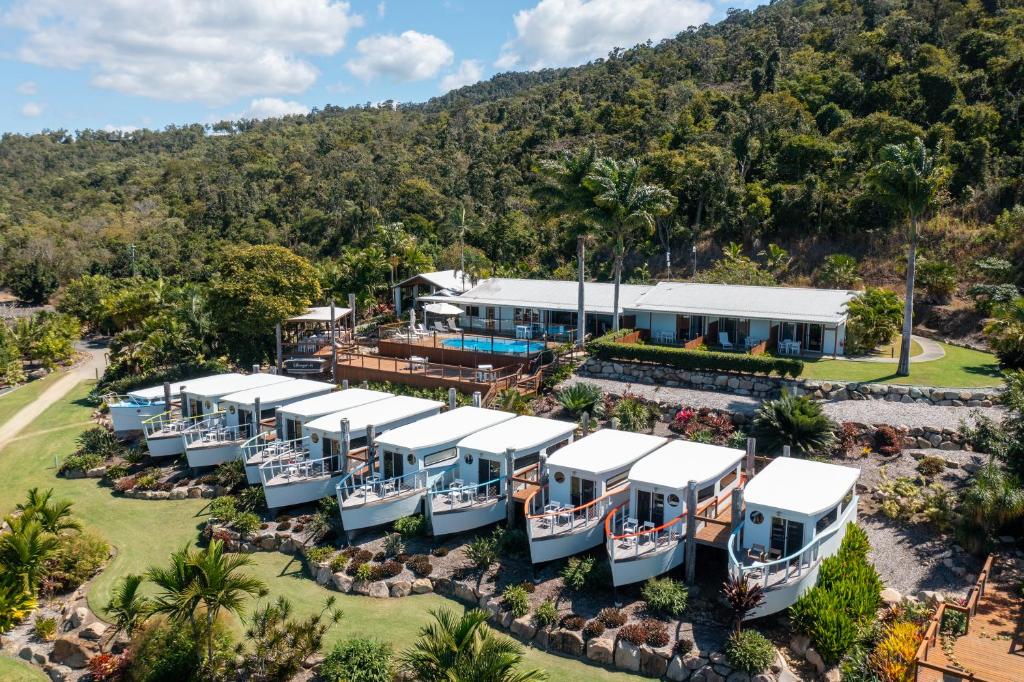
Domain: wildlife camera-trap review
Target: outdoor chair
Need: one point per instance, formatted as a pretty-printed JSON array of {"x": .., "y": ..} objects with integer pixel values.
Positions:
[
  {"x": 420, "y": 330},
  {"x": 453, "y": 326},
  {"x": 723, "y": 340},
  {"x": 439, "y": 326}
]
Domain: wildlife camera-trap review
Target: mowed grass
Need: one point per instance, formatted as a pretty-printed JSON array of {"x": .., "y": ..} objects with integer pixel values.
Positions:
[
  {"x": 14, "y": 670},
  {"x": 12, "y": 402},
  {"x": 144, "y": 533},
  {"x": 960, "y": 368}
]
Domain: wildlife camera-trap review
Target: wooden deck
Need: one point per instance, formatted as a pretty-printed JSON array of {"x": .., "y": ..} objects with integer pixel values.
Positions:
[
  {"x": 993, "y": 648},
  {"x": 715, "y": 530}
]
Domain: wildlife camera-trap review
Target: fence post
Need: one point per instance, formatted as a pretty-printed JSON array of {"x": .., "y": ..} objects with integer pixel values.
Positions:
[
  {"x": 786, "y": 451},
  {"x": 737, "y": 507},
  {"x": 476, "y": 399},
  {"x": 167, "y": 395},
  {"x": 346, "y": 444},
  {"x": 452, "y": 398},
  {"x": 510, "y": 508},
  {"x": 586, "y": 424},
  {"x": 691, "y": 531},
  {"x": 751, "y": 450}
]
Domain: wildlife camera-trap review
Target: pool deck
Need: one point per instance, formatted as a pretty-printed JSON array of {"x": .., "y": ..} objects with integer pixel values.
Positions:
[{"x": 440, "y": 340}]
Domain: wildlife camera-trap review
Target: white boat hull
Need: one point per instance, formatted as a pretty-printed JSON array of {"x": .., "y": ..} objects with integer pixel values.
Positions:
[
  {"x": 379, "y": 512},
  {"x": 252, "y": 474},
  {"x": 211, "y": 455},
  {"x": 299, "y": 492},
  {"x": 165, "y": 445},
  {"x": 459, "y": 520},
  {"x": 128, "y": 418},
  {"x": 548, "y": 546},
  {"x": 629, "y": 570}
]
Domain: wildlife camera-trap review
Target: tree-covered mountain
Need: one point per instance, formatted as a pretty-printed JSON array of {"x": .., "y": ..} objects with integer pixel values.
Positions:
[{"x": 763, "y": 128}]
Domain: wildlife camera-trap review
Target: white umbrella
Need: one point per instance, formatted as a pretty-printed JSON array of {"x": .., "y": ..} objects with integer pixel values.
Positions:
[{"x": 443, "y": 309}]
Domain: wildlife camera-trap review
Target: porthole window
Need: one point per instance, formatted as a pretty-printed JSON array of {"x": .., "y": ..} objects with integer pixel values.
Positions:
[
  {"x": 411, "y": 458},
  {"x": 208, "y": 404},
  {"x": 231, "y": 409},
  {"x": 673, "y": 500},
  {"x": 756, "y": 518},
  {"x": 559, "y": 477},
  {"x": 468, "y": 458},
  {"x": 315, "y": 437}
]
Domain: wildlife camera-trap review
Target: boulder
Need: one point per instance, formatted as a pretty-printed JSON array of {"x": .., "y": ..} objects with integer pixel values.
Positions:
[
  {"x": 361, "y": 587},
  {"x": 422, "y": 586},
  {"x": 523, "y": 628},
  {"x": 342, "y": 582},
  {"x": 627, "y": 656},
  {"x": 815, "y": 659},
  {"x": 693, "y": 662},
  {"x": 571, "y": 642},
  {"x": 33, "y": 654},
  {"x": 543, "y": 638},
  {"x": 93, "y": 632},
  {"x": 799, "y": 644},
  {"x": 652, "y": 663},
  {"x": 707, "y": 674},
  {"x": 931, "y": 598},
  {"x": 466, "y": 593},
  {"x": 72, "y": 651},
  {"x": 268, "y": 543},
  {"x": 81, "y": 616},
  {"x": 676, "y": 670},
  {"x": 59, "y": 673},
  {"x": 891, "y": 596},
  {"x": 601, "y": 650},
  {"x": 738, "y": 676},
  {"x": 401, "y": 588},
  {"x": 379, "y": 590},
  {"x": 833, "y": 675},
  {"x": 96, "y": 472}
]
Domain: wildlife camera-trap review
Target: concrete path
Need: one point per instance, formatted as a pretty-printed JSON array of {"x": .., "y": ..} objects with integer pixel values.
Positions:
[
  {"x": 85, "y": 370},
  {"x": 930, "y": 350}
]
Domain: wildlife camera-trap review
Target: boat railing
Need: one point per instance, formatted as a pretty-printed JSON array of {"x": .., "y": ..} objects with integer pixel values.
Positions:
[
  {"x": 265, "y": 445},
  {"x": 173, "y": 421},
  {"x": 803, "y": 560},
  {"x": 215, "y": 430},
  {"x": 565, "y": 518},
  {"x": 463, "y": 495},
  {"x": 296, "y": 466},
  {"x": 364, "y": 481},
  {"x": 112, "y": 399}
]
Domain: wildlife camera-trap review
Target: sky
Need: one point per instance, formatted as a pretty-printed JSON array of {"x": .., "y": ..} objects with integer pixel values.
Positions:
[{"x": 127, "y": 64}]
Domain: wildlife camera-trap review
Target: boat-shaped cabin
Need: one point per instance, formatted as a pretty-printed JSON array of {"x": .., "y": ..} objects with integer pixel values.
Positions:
[
  {"x": 474, "y": 492},
  {"x": 290, "y": 419},
  {"x": 796, "y": 514},
  {"x": 199, "y": 400},
  {"x": 128, "y": 411},
  {"x": 304, "y": 470},
  {"x": 242, "y": 415},
  {"x": 584, "y": 481},
  {"x": 407, "y": 461},
  {"x": 646, "y": 535}
]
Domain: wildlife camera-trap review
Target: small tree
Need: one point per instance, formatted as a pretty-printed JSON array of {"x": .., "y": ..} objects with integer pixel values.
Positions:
[{"x": 743, "y": 597}]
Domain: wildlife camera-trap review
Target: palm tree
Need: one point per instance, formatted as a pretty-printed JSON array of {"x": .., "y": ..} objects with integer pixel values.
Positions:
[
  {"x": 25, "y": 549},
  {"x": 628, "y": 204},
  {"x": 175, "y": 599},
  {"x": 993, "y": 499},
  {"x": 127, "y": 608},
  {"x": 1006, "y": 333},
  {"x": 908, "y": 180},
  {"x": 53, "y": 515},
  {"x": 463, "y": 649}
]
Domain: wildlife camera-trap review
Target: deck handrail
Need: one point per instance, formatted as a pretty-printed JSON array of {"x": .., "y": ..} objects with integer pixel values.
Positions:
[
  {"x": 359, "y": 481},
  {"x": 305, "y": 467},
  {"x": 261, "y": 441},
  {"x": 222, "y": 431},
  {"x": 811, "y": 547},
  {"x": 160, "y": 422},
  {"x": 529, "y": 500},
  {"x": 129, "y": 398},
  {"x": 585, "y": 513},
  {"x": 494, "y": 483}
]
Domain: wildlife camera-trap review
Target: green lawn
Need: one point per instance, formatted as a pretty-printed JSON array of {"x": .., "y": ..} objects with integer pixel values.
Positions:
[
  {"x": 960, "y": 368},
  {"x": 145, "y": 533},
  {"x": 14, "y": 670},
  {"x": 12, "y": 402}
]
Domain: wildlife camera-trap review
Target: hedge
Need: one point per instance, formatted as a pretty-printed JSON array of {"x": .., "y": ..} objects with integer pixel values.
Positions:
[{"x": 608, "y": 347}]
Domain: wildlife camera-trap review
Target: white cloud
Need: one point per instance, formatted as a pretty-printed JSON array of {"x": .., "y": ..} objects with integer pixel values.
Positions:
[
  {"x": 186, "y": 49},
  {"x": 470, "y": 71},
  {"x": 382, "y": 9},
  {"x": 27, "y": 88},
  {"x": 31, "y": 109},
  {"x": 411, "y": 56},
  {"x": 111, "y": 128},
  {"x": 571, "y": 32},
  {"x": 272, "y": 107}
]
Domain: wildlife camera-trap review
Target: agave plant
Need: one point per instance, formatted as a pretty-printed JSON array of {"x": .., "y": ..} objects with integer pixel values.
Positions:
[
  {"x": 582, "y": 398},
  {"x": 796, "y": 421}
]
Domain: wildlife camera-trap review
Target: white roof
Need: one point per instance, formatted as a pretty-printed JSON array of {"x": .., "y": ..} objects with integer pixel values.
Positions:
[
  {"x": 380, "y": 413},
  {"x": 217, "y": 386},
  {"x": 447, "y": 427},
  {"x": 452, "y": 280},
  {"x": 155, "y": 392},
  {"x": 522, "y": 434},
  {"x": 682, "y": 461},
  {"x": 547, "y": 294},
  {"x": 800, "y": 485},
  {"x": 321, "y": 314},
  {"x": 731, "y": 300},
  {"x": 318, "y": 406},
  {"x": 605, "y": 450},
  {"x": 277, "y": 393}
]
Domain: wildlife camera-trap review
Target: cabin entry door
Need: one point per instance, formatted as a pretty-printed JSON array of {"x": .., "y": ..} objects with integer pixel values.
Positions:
[
  {"x": 582, "y": 491},
  {"x": 650, "y": 507},
  {"x": 488, "y": 470},
  {"x": 787, "y": 536},
  {"x": 394, "y": 465}
]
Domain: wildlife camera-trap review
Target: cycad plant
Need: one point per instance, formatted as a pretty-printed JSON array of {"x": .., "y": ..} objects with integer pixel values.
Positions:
[
  {"x": 127, "y": 608},
  {"x": 53, "y": 515},
  {"x": 582, "y": 397},
  {"x": 16, "y": 602},
  {"x": 796, "y": 421},
  {"x": 993, "y": 499},
  {"x": 25, "y": 550}
]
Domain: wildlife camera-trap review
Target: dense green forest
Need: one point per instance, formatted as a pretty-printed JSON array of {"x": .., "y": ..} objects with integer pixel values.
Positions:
[{"x": 762, "y": 127}]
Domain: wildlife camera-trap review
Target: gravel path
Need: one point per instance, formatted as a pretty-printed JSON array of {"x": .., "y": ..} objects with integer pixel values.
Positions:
[{"x": 864, "y": 411}]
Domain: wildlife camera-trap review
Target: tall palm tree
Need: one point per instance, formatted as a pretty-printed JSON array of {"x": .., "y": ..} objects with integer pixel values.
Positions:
[
  {"x": 174, "y": 599},
  {"x": 628, "y": 204},
  {"x": 463, "y": 649},
  {"x": 25, "y": 549},
  {"x": 127, "y": 608},
  {"x": 907, "y": 179},
  {"x": 53, "y": 515}
]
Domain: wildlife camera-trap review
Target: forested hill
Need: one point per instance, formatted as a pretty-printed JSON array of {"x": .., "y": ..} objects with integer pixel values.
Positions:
[{"x": 762, "y": 126}]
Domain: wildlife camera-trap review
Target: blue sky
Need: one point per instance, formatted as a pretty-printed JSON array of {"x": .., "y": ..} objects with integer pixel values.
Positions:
[{"x": 123, "y": 64}]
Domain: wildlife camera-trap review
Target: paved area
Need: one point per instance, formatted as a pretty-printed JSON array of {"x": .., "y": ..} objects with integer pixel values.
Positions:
[
  {"x": 864, "y": 411},
  {"x": 94, "y": 359},
  {"x": 930, "y": 350}
]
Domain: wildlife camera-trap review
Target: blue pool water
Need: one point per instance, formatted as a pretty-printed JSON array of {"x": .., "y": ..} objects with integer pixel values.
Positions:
[{"x": 505, "y": 346}]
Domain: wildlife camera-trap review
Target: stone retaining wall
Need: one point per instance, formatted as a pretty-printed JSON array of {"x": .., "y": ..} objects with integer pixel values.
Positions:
[{"x": 770, "y": 387}]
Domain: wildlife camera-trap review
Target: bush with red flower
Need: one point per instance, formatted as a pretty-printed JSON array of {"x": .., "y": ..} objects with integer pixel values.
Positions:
[
  {"x": 704, "y": 425},
  {"x": 107, "y": 666}
]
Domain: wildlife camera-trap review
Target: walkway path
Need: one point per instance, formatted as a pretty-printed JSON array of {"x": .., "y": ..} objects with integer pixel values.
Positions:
[
  {"x": 930, "y": 350},
  {"x": 864, "y": 411},
  {"x": 85, "y": 370}
]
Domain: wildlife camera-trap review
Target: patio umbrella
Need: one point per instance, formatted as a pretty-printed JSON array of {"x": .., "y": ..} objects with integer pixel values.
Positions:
[{"x": 443, "y": 309}]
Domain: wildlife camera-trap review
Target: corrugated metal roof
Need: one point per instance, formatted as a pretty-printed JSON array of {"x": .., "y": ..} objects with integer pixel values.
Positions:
[
  {"x": 547, "y": 294},
  {"x": 731, "y": 300}
]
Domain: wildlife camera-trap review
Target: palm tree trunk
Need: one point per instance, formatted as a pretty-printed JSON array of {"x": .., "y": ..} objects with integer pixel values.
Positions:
[
  {"x": 581, "y": 313},
  {"x": 618, "y": 281},
  {"x": 209, "y": 636},
  {"x": 908, "y": 303}
]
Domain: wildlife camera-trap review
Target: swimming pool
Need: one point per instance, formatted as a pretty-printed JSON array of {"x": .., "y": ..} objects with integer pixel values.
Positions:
[{"x": 487, "y": 345}]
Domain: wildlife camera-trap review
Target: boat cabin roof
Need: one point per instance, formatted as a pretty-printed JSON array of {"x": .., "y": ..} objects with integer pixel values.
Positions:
[
  {"x": 318, "y": 406},
  {"x": 222, "y": 385},
  {"x": 379, "y": 413},
  {"x": 447, "y": 427},
  {"x": 273, "y": 393},
  {"x": 682, "y": 461},
  {"x": 605, "y": 450},
  {"x": 800, "y": 485},
  {"x": 522, "y": 434},
  {"x": 156, "y": 392}
]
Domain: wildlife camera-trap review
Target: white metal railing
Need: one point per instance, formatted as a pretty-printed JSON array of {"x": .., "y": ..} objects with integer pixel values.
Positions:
[
  {"x": 297, "y": 467},
  {"x": 112, "y": 399},
  {"x": 824, "y": 544},
  {"x": 557, "y": 518},
  {"x": 454, "y": 493},
  {"x": 262, "y": 447},
  {"x": 363, "y": 482},
  {"x": 216, "y": 431},
  {"x": 172, "y": 421}
]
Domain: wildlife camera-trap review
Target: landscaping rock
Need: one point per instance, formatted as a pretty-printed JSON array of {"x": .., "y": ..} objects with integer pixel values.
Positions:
[
  {"x": 33, "y": 654},
  {"x": 652, "y": 663},
  {"x": 80, "y": 616},
  {"x": 815, "y": 659},
  {"x": 833, "y": 675},
  {"x": 707, "y": 674},
  {"x": 601, "y": 650},
  {"x": 542, "y": 639},
  {"x": 379, "y": 590},
  {"x": 891, "y": 596},
  {"x": 324, "y": 575},
  {"x": 342, "y": 582},
  {"x": 571, "y": 642},
  {"x": 401, "y": 588},
  {"x": 738, "y": 676},
  {"x": 676, "y": 670},
  {"x": 72, "y": 651},
  {"x": 523, "y": 628},
  {"x": 96, "y": 472},
  {"x": 799, "y": 644},
  {"x": 59, "y": 673},
  {"x": 627, "y": 656},
  {"x": 422, "y": 586},
  {"x": 466, "y": 593},
  {"x": 361, "y": 587},
  {"x": 93, "y": 632}
]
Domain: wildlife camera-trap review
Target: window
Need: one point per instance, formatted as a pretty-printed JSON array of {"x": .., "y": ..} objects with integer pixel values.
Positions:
[
  {"x": 527, "y": 460},
  {"x": 559, "y": 477},
  {"x": 616, "y": 480},
  {"x": 826, "y": 520},
  {"x": 472, "y": 311},
  {"x": 706, "y": 493},
  {"x": 756, "y": 518},
  {"x": 727, "y": 480},
  {"x": 355, "y": 443},
  {"x": 468, "y": 458},
  {"x": 331, "y": 447},
  {"x": 847, "y": 499},
  {"x": 673, "y": 500},
  {"x": 436, "y": 457},
  {"x": 315, "y": 437}
]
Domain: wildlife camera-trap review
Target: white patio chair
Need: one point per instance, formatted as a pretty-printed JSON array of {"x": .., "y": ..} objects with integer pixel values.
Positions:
[
  {"x": 439, "y": 326},
  {"x": 723, "y": 340},
  {"x": 420, "y": 330},
  {"x": 453, "y": 326}
]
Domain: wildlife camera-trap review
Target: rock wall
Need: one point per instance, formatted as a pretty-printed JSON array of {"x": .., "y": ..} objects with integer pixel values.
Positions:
[{"x": 770, "y": 387}]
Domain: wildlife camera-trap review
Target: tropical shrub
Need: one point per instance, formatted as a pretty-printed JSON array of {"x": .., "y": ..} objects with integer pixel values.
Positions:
[
  {"x": 411, "y": 526},
  {"x": 359, "y": 660},
  {"x": 931, "y": 466},
  {"x": 634, "y": 414},
  {"x": 512, "y": 542},
  {"x": 993, "y": 499},
  {"x": 937, "y": 279},
  {"x": 546, "y": 614},
  {"x": 954, "y": 622},
  {"x": 246, "y": 523},
  {"x": 116, "y": 472},
  {"x": 511, "y": 400},
  {"x": 230, "y": 475},
  {"x": 148, "y": 479},
  {"x": 279, "y": 643},
  {"x": 80, "y": 462},
  {"x": 16, "y": 603},
  {"x": 693, "y": 423},
  {"x": 893, "y": 657},
  {"x": 78, "y": 558},
  {"x": 252, "y": 499},
  {"x": 743, "y": 596},
  {"x": 515, "y": 599},
  {"x": 612, "y": 617},
  {"x": 634, "y": 633},
  {"x": 649, "y": 631},
  {"x": 482, "y": 551},
  {"x": 572, "y": 621},
  {"x": 874, "y": 318},
  {"x": 987, "y": 297},
  {"x": 364, "y": 572},
  {"x": 394, "y": 544},
  {"x": 105, "y": 666},
  {"x": 888, "y": 441},
  {"x": 319, "y": 555},
  {"x": 1005, "y": 333},
  {"x": 99, "y": 441},
  {"x": 45, "y": 628},
  {"x": 593, "y": 628},
  {"x": 578, "y": 572},
  {"x": 750, "y": 651},
  {"x": 582, "y": 398},
  {"x": 665, "y": 596},
  {"x": 838, "y": 271},
  {"x": 796, "y": 421},
  {"x": 224, "y": 508}
]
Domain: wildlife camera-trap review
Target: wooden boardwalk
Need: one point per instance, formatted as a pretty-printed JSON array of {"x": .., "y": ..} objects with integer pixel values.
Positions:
[{"x": 993, "y": 648}]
